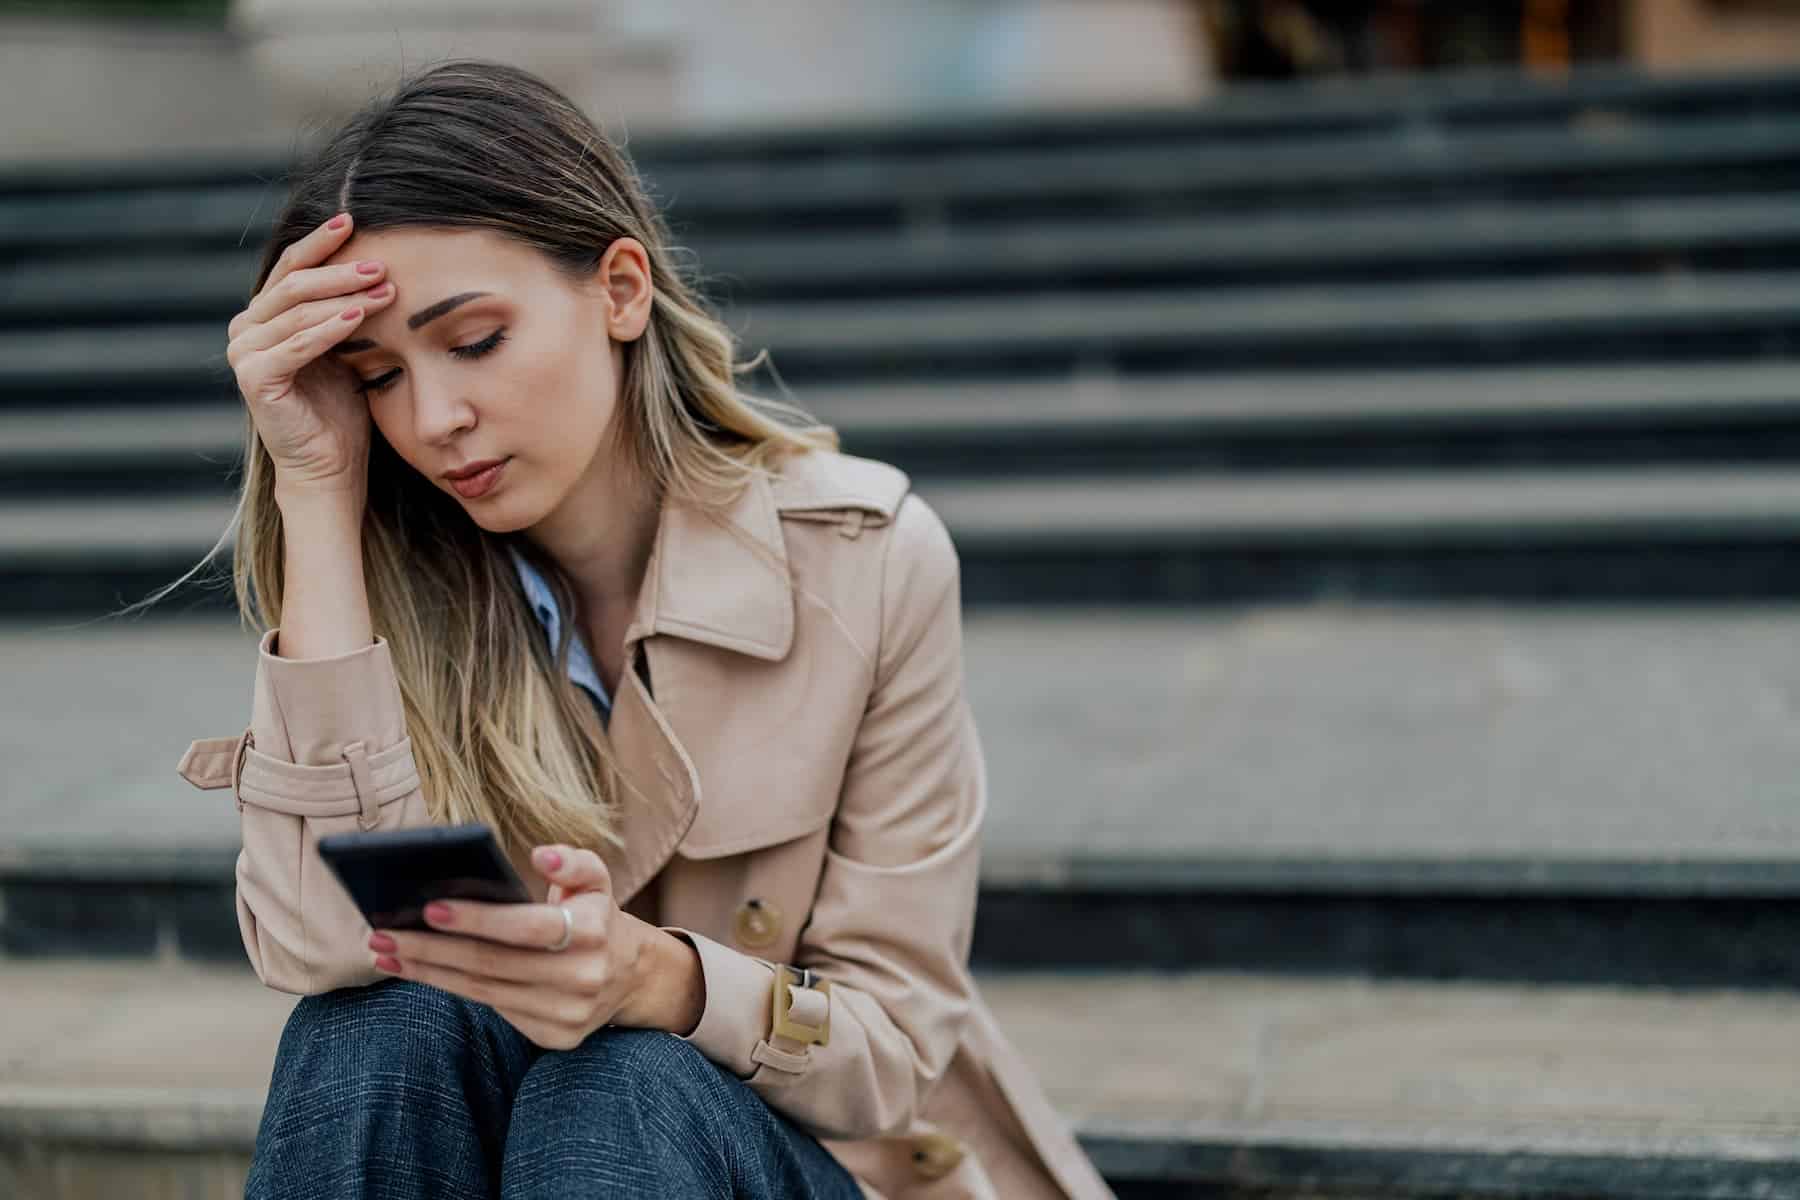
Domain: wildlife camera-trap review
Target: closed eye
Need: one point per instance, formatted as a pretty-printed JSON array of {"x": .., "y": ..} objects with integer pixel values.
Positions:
[{"x": 472, "y": 350}]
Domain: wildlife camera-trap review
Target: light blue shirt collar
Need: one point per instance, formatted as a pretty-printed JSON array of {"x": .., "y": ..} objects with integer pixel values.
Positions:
[{"x": 581, "y": 664}]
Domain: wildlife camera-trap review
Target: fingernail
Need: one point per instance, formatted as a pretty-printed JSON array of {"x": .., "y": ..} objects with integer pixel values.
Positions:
[
  {"x": 379, "y": 293},
  {"x": 437, "y": 914},
  {"x": 550, "y": 860},
  {"x": 339, "y": 221},
  {"x": 390, "y": 965},
  {"x": 383, "y": 943},
  {"x": 368, "y": 266}
]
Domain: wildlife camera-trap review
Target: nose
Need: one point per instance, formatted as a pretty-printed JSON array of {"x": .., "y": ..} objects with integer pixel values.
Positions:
[{"x": 440, "y": 411}]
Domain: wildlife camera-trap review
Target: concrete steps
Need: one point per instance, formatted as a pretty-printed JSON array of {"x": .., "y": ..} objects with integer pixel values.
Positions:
[
  {"x": 1630, "y": 413},
  {"x": 1478, "y": 338},
  {"x": 1619, "y": 535},
  {"x": 1184, "y": 1084},
  {"x": 1596, "y": 796},
  {"x": 1148, "y": 332},
  {"x": 1417, "y": 240},
  {"x": 1477, "y": 134},
  {"x": 1429, "y": 447}
]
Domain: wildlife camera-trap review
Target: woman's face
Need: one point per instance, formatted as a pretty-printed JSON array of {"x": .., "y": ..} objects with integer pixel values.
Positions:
[{"x": 486, "y": 352}]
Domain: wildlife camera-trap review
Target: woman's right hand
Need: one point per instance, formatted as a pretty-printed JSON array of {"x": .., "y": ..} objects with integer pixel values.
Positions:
[{"x": 304, "y": 403}]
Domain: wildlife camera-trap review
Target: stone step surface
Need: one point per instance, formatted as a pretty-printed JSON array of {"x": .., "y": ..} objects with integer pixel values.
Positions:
[
  {"x": 1099, "y": 513},
  {"x": 1095, "y": 406},
  {"x": 1594, "y": 94},
  {"x": 1584, "y": 318},
  {"x": 1598, "y": 795},
  {"x": 1222, "y": 1080},
  {"x": 1704, "y": 533},
  {"x": 1146, "y": 170},
  {"x": 1736, "y": 413},
  {"x": 1550, "y": 735},
  {"x": 160, "y": 282}
]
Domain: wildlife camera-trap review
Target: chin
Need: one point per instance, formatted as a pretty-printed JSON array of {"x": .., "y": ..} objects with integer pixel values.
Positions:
[{"x": 495, "y": 520}]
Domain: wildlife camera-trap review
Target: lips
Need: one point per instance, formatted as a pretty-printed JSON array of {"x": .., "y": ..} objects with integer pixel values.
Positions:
[
  {"x": 474, "y": 468},
  {"x": 481, "y": 482}
]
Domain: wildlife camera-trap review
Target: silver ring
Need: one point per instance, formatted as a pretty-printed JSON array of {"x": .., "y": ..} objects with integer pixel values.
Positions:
[{"x": 568, "y": 932}]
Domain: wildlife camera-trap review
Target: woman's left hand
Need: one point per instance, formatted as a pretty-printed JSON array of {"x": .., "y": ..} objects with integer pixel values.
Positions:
[{"x": 497, "y": 954}]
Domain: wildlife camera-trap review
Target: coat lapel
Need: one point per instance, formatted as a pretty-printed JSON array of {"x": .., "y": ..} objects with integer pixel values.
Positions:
[
  {"x": 718, "y": 578},
  {"x": 662, "y": 789}
]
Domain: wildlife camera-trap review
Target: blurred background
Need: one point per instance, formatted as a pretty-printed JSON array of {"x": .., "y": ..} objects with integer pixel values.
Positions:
[{"x": 1369, "y": 431}]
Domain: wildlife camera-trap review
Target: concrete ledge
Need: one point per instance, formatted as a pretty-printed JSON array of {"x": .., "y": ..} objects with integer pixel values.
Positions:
[
  {"x": 1234, "y": 1083},
  {"x": 1595, "y": 93},
  {"x": 1472, "y": 509},
  {"x": 1142, "y": 332},
  {"x": 172, "y": 1130},
  {"x": 1699, "y": 924},
  {"x": 1467, "y": 239},
  {"x": 131, "y": 1118},
  {"x": 1233, "y": 422},
  {"x": 1344, "y": 1160}
]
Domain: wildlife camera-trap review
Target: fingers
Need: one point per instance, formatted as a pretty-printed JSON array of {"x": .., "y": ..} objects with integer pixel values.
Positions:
[
  {"x": 298, "y": 321},
  {"x": 479, "y": 958},
  {"x": 314, "y": 283},
  {"x": 267, "y": 374},
  {"x": 302, "y": 311},
  {"x": 297, "y": 277},
  {"x": 570, "y": 870},
  {"x": 325, "y": 284},
  {"x": 532, "y": 927},
  {"x": 310, "y": 250},
  {"x": 527, "y": 998}
]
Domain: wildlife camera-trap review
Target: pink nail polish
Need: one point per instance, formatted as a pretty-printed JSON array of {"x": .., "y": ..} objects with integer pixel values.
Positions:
[
  {"x": 438, "y": 914},
  {"x": 338, "y": 222},
  {"x": 390, "y": 965},
  {"x": 382, "y": 942}
]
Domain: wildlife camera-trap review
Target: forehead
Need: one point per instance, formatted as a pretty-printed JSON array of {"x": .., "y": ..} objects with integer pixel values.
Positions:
[{"x": 422, "y": 253}]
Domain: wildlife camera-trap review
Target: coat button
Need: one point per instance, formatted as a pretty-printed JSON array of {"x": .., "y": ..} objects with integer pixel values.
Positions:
[
  {"x": 758, "y": 923},
  {"x": 935, "y": 1155}
]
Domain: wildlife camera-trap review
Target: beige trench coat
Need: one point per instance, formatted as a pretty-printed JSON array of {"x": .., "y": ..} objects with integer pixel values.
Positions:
[{"x": 809, "y": 792}]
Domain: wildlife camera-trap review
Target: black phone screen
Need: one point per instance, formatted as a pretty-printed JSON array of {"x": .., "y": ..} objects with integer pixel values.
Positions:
[{"x": 393, "y": 873}]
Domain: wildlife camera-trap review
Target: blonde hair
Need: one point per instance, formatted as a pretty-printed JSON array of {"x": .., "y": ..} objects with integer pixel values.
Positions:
[{"x": 500, "y": 733}]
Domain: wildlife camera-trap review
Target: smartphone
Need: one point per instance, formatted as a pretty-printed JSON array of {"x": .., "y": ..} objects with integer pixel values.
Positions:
[{"x": 392, "y": 873}]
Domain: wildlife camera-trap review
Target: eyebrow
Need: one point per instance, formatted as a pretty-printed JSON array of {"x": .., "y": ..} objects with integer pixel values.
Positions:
[{"x": 424, "y": 316}]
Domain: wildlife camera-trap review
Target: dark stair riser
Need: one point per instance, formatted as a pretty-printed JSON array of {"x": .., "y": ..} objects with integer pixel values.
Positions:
[
  {"x": 1741, "y": 941},
  {"x": 1767, "y": 336},
  {"x": 1135, "y": 449},
  {"x": 1126, "y": 572}
]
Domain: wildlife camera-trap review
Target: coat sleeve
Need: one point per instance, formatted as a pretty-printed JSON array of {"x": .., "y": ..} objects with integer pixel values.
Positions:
[
  {"x": 892, "y": 922},
  {"x": 326, "y": 752}
]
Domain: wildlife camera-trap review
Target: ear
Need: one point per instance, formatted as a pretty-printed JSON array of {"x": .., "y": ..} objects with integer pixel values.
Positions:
[{"x": 625, "y": 278}]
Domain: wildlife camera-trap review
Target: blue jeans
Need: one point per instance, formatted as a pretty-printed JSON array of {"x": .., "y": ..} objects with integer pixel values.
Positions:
[{"x": 401, "y": 1090}]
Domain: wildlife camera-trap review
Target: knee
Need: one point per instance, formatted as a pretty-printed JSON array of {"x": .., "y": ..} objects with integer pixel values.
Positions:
[
  {"x": 654, "y": 1057},
  {"x": 383, "y": 1009},
  {"x": 642, "y": 1096},
  {"x": 388, "y": 1025},
  {"x": 651, "y": 1067},
  {"x": 628, "y": 1112}
]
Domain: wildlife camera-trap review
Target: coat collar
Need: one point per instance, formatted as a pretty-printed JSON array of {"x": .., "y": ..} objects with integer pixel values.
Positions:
[
  {"x": 716, "y": 578},
  {"x": 720, "y": 577}
]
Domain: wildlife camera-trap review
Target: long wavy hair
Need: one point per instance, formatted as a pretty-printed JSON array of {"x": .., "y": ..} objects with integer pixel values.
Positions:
[{"x": 499, "y": 732}]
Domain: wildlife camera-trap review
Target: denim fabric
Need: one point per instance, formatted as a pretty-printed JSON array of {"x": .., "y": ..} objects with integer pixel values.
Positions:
[{"x": 401, "y": 1090}]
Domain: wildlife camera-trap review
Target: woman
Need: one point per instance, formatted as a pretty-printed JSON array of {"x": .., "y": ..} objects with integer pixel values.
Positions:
[{"x": 700, "y": 673}]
